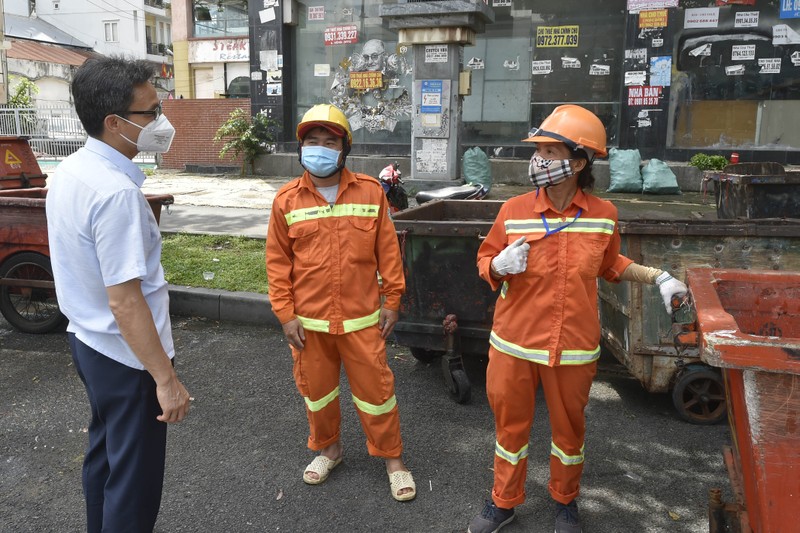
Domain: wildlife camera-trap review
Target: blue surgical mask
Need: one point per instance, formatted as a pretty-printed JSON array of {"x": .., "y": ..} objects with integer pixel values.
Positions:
[{"x": 320, "y": 161}]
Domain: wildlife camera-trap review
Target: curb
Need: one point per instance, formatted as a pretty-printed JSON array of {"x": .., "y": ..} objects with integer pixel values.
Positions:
[{"x": 215, "y": 304}]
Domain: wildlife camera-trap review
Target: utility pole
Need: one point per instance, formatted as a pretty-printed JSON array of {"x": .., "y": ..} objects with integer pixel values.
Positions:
[{"x": 3, "y": 61}]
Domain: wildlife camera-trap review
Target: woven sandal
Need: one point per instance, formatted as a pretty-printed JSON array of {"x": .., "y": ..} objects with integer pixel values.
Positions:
[
  {"x": 322, "y": 466},
  {"x": 402, "y": 480}
]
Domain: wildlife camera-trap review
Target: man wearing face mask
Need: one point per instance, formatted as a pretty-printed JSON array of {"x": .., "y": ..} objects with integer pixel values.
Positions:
[
  {"x": 545, "y": 252},
  {"x": 105, "y": 248},
  {"x": 329, "y": 238}
]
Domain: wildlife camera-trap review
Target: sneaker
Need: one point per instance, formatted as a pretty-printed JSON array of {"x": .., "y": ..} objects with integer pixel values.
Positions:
[
  {"x": 491, "y": 519},
  {"x": 567, "y": 519}
]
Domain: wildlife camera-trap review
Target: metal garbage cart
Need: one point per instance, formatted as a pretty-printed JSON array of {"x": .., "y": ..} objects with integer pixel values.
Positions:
[
  {"x": 27, "y": 291},
  {"x": 641, "y": 335},
  {"x": 439, "y": 241},
  {"x": 756, "y": 190},
  {"x": 748, "y": 324}
]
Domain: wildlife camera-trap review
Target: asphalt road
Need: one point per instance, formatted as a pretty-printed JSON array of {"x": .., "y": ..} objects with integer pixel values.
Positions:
[{"x": 235, "y": 464}]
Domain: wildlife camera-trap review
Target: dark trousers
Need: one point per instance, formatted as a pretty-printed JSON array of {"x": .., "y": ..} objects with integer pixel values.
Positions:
[{"x": 123, "y": 471}]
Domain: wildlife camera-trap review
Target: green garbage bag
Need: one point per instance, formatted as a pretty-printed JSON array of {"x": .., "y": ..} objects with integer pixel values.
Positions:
[
  {"x": 658, "y": 178},
  {"x": 624, "y": 170},
  {"x": 476, "y": 169}
]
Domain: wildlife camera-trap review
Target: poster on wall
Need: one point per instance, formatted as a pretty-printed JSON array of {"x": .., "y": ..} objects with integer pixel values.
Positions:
[
  {"x": 783, "y": 34},
  {"x": 740, "y": 2},
  {"x": 436, "y": 53},
  {"x": 769, "y": 65},
  {"x": 661, "y": 71},
  {"x": 635, "y": 77},
  {"x": 635, "y": 6},
  {"x": 316, "y": 12},
  {"x": 544, "y": 66},
  {"x": 335, "y": 35},
  {"x": 790, "y": 9},
  {"x": 431, "y": 95},
  {"x": 743, "y": 52},
  {"x": 653, "y": 19},
  {"x": 746, "y": 19},
  {"x": 701, "y": 17},
  {"x": 644, "y": 96},
  {"x": 557, "y": 36}
]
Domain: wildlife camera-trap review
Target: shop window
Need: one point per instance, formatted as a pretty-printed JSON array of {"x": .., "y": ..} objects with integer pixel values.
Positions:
[
  {"x": 220, "y": 18},
  {"x": 735, "y": 84},
  {"x": 239, "y": 87},
  {"x": 536, "y": 56},
  {"x": 346, "y": 56}
]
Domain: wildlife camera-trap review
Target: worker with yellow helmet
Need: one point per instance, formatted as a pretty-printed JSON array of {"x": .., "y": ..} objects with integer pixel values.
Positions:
[
  {"x": 329, "y": 237},
  {"x": 544, "y": 253}
]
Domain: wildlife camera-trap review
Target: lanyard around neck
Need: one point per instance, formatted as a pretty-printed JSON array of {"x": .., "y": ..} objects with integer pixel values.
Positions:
[{"x": 548, "y": 231}]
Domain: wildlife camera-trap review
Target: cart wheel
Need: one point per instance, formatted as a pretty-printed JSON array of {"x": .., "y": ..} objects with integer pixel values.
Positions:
[
  {"x": 29, "y": 309},
  {"x": 699, "y": 395},
  {"x": 458, "y": 386},
  {"x": 425, "y": 356}
]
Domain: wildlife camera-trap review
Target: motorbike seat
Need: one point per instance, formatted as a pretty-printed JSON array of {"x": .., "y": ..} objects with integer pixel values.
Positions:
[{"x": 459, "y": 192}]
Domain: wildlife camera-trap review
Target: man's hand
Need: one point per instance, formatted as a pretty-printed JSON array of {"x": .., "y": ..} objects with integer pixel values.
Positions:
[
  {"x": 173, "y": 399},
  {"x": 295, "y": 334},
  {"x": 513, "y": 259},
  {"x": 386, "y": 322},
  {"x": 669, "y": 287}
]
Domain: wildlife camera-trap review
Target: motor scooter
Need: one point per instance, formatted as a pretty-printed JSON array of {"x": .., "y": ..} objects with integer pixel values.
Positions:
[{"x": 393, "y": 187}]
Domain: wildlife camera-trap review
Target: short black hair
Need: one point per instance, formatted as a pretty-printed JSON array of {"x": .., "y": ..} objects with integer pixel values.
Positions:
[{"x": 104, "y": 86}]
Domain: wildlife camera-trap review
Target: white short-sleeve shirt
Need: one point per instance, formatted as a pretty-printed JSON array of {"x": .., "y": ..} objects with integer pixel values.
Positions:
[{"x": 102, "y": 232}]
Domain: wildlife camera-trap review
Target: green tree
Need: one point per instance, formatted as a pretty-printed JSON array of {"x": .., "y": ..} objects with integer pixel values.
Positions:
[
  {"x": 250, "y": 136},
  {"x": 21, "y": 91}
]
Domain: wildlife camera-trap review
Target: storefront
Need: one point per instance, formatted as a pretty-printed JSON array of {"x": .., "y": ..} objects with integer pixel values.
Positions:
[{"x": 669, "y": 77}]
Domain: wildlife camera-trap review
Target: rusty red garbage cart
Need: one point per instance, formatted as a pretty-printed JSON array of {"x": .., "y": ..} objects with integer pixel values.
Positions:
[{"x": 748, "y": 324}]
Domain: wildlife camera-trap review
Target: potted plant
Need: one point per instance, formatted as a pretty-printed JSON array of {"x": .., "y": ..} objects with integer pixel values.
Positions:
[{"x": 250, "y": 136}]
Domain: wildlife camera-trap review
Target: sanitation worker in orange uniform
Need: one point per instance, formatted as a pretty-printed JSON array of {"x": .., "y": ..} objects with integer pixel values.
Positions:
[
  {"x": 329, "y": 239},
  {"x": 545, "y": 252}
]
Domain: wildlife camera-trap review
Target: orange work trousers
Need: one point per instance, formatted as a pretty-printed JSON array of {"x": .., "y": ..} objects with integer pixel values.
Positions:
[
  {"x": 316, "y": 373},
  {"x": 511, "y": 387}
]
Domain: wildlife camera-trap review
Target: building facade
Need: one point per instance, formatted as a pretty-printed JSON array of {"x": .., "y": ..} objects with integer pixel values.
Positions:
[{"x": 669, "y": 77}]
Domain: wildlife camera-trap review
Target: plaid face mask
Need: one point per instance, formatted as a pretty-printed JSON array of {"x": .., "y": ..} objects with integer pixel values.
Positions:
[{"x": 547, "y": 172}]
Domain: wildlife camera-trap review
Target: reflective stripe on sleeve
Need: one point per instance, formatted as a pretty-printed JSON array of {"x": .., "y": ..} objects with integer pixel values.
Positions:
[
  {"x": 568, "y": 460},
  {"x": 504, "y": 290},
  {"x": 375, "y": 410},
  {"x": 511, "y": 457},
  {"x": 320, "y": 404}
]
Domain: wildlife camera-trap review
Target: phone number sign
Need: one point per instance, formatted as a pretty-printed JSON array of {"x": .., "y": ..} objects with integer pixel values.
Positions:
[
  {"x": 366, "y": 80},
  {"x": 341, "y": 35},
  {"x": 557, "y": 36}
]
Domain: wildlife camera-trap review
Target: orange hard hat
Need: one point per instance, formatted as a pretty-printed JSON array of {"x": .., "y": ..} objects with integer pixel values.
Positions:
[
  {"x": 574, "y": 126},
  {"x": 325, "y": 116}
]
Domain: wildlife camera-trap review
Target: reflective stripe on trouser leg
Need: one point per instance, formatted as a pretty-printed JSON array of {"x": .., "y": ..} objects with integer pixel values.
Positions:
[
  {"x": 371, "y": 380},
  {"x": 566, "y": 390},
  {"x": 511, "y": 389},
  {"x": 316, "y": 374}
]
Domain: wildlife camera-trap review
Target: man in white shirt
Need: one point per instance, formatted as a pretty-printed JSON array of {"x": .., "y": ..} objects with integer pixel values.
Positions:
[{"x": 105, "y": 249}]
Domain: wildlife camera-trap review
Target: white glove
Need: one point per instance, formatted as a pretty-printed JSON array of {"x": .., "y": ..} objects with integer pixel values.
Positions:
[
  {"x": 513, "y": 259},
  {"x": 669, "y": 288}
]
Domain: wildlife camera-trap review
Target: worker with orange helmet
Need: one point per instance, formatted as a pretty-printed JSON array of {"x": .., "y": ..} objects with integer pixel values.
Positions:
[
  {"x": 330, "y": 240},
  {"x": 544, "y": 252}
]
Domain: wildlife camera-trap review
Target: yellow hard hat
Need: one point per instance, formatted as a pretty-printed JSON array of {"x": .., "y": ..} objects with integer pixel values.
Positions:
[
  {"x": 573, "y": 125},
  {"x": 325, "y": 116}
]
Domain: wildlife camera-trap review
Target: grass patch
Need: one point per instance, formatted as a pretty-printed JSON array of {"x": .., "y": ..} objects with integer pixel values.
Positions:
[{"x": 238, "y": 263}]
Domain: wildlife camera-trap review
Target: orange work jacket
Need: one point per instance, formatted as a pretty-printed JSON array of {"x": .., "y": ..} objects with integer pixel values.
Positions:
[
  {"x": 548, "y": 314},
  {"x": 323, "y": 261}
]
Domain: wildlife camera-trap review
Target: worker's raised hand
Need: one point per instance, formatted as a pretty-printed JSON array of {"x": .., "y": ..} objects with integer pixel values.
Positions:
[
  {"x": 670, "y": 287},
  {"x": 295, "y": 334},
  {"x": 513, "y": 259}
]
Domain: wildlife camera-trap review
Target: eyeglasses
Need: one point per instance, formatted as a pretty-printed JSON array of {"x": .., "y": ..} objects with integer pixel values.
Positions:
[
  {"x": 372, "y": 57},
  {"x": 156, "y": 112}
]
